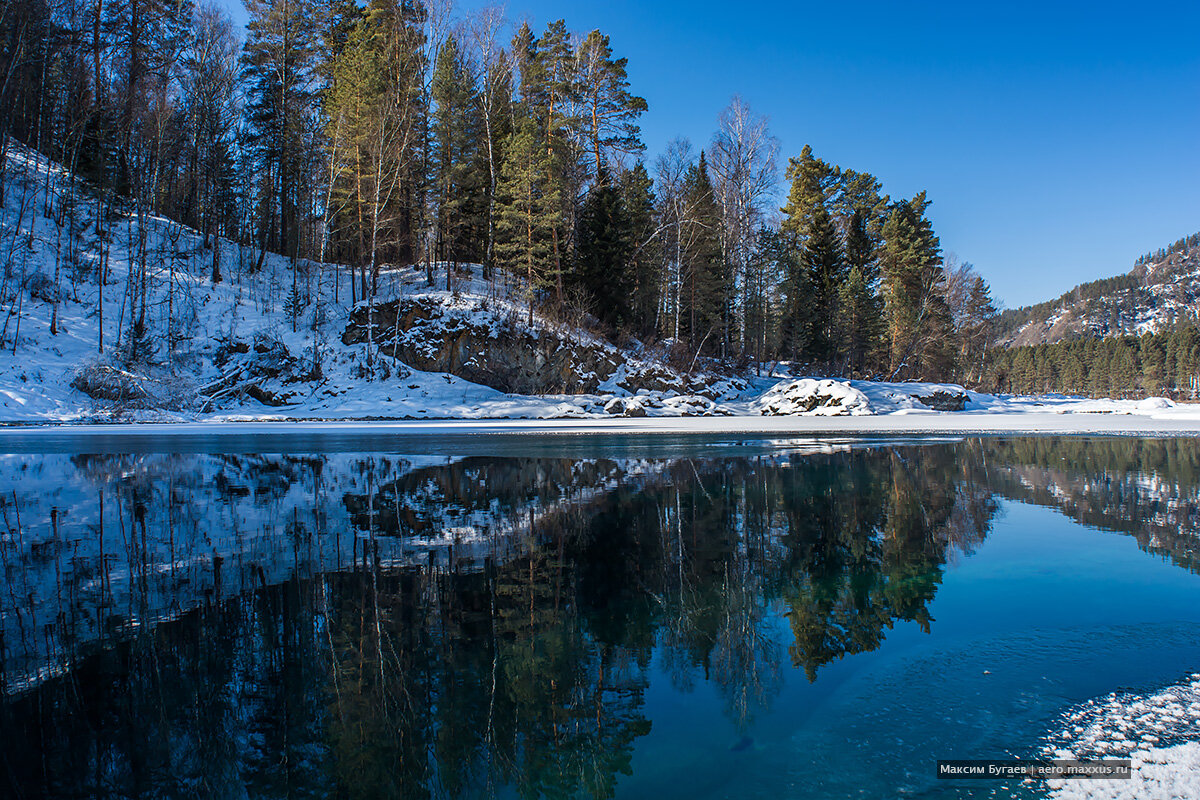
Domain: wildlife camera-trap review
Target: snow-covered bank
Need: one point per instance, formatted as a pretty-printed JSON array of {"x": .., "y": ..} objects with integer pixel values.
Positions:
[
  {"x": 921, "y": 424},
  {"x": 1159, "y": 732},
  {"x": 274, "y": 340}
]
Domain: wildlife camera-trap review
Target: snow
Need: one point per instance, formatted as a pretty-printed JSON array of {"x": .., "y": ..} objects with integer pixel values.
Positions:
[
  {"x": 211, "y": 320},
  {"x": 810, "y": 396},
  {"x": 1159, "y": 732}
]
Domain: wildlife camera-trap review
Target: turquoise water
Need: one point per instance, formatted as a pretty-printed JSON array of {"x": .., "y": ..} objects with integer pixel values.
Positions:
[
  {"x": 1045, "y": 615},
  {"x": 659, "y": 618}
]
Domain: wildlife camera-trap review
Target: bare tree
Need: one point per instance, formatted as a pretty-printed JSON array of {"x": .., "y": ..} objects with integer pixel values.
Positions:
[
  {"x": 495, "y": 85},
  {"x": 745, "y": 175},
  {"x": 671, "y": 169}
]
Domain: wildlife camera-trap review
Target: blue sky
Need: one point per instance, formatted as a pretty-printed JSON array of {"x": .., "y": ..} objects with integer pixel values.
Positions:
[{"x": 1058, "y": 141}]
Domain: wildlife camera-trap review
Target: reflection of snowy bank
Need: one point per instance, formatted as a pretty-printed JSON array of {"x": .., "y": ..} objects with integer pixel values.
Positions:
[{"x": 1160, "y": 732}]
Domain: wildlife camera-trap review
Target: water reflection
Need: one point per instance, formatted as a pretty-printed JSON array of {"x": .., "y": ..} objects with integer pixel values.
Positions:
[{"x": 369, "y": 625}]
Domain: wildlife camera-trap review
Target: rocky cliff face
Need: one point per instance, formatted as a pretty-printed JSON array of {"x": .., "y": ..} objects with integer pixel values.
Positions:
[{"x": 496, "y": 350}]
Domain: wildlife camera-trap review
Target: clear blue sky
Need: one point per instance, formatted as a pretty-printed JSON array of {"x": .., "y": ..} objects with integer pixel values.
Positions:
[{"x": 1057, "y": 140}]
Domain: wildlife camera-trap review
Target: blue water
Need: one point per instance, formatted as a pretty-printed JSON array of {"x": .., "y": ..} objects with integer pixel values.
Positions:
[
  {"x": 643, "y": 618},
  {"x": 1046, "y": 614}
]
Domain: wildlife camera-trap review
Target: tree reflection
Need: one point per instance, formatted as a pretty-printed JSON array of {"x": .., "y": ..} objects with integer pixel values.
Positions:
[{"x": 357, "y": 626}]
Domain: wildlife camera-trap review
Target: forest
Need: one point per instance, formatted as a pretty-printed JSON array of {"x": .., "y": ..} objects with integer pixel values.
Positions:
[
  {"x": 351, "y": 137},
  {"x": 1154, "y": 364}
]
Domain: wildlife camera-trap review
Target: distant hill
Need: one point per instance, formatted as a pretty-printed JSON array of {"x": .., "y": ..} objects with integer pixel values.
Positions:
[{"x": 1162, "y": 290}]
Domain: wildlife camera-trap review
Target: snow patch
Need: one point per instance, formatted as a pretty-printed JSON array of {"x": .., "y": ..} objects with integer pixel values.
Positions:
[{"x": 1159, "y": 732}]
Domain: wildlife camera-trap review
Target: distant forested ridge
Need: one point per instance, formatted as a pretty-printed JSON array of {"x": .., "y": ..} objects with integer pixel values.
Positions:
[
  {"x": 1160, "y": 293},
  {"x": 351, "y": 137},
  {"x": 1133, "y": 335}
]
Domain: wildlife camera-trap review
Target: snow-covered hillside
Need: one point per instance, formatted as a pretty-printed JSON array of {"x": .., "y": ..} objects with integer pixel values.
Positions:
[
  {"x": 1157, "y": 293},
  {"x": 269, "y": 342}
]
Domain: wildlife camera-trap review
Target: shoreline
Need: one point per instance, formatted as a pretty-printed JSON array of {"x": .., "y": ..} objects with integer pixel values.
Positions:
[{"x": 949, "y": 422}]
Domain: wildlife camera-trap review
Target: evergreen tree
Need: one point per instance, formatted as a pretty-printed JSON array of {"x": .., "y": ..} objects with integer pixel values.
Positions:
[
  {"x": 918, "y": 318},
  {"x": 609, "y": 109},
  {"x": 605, "y": 246},
  {"x": 796, "y": 317},
  {"x": 527, "y": 212},
  {"x": 863, "y": 210},
  {"x": 645, "y": 250},
  {"x": 812, "y": 183},
  {"x": 823, "y": 262},
  {"x": 278, "y": 69},
  {"x": 458, "y": 161},
  {"x": 706, "y": 286}
]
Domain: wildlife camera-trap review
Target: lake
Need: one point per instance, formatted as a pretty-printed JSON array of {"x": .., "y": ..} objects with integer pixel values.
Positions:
[{"x": 645, "y": 616}]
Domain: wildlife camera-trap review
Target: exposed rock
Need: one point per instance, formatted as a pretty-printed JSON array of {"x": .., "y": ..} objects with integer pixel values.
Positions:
[
  {"x": 625, "y": 407},
  {"x": 497, "y": 350},
  {"x": 267, "y": 397},
  {"x": 943, "y": 400}
]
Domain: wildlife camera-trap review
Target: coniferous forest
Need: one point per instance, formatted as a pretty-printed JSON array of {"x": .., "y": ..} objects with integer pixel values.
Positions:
[
  {"x": 1154, "y": 364},
  {"x": 357, "y": 136}
]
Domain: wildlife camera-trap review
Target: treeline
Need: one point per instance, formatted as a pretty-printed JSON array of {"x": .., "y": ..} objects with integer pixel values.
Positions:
[
  {"x": 1153, "y": 364},
  {"x": 398, "y": 132},
  {"x": 1181, "y": 245}
]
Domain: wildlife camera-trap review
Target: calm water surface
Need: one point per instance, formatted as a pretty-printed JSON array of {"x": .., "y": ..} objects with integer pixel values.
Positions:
[{"x": 576, "y": 616}]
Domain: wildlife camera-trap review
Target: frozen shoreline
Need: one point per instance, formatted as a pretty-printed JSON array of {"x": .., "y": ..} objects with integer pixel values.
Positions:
[{"x": 1167, "y": 423}]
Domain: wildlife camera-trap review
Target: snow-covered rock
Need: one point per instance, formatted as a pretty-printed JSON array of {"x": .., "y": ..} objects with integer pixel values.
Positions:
[
  {"x": 625, "y": 407},
  {"x": 814, "y": 397}
]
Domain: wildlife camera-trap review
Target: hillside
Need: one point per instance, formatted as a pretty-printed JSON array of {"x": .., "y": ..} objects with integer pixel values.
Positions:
[
  {"x": 267, "y": 341},
  {"x": 230, "y": 333},
  {"x": 1162, "y": 290}
]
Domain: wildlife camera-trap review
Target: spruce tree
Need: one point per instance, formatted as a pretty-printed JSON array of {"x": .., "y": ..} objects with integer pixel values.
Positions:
[
  {"x": 823, "y": 261},
  {"x": 645, "y": 249},
  {"x": 603, "y": 264},
  {"x": 706, "y": 285},
  {"x": 918, "y": 318},
  {"x": 796, "y": 315}
]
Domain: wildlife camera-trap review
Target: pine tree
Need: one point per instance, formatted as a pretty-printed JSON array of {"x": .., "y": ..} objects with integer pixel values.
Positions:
[
  {"x": 527, "y": 212},
  {"x": 811, "y": 185},
  {"x": 278, "y": 69},
  {"x": 609, "y": 109}
]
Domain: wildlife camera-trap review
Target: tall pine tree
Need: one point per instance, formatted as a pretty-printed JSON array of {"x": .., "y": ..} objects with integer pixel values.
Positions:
[{"x": 527, "y": 212}]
